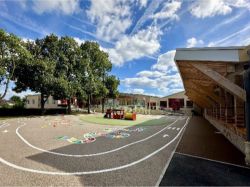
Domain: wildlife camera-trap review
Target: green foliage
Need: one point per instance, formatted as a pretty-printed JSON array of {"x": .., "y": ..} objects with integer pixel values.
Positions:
[
  {"x": 112, "y": 84},
  {"x": 18, "y": 102},
  {"x": 12, "y": 54},
  {"x": 56, "y": 66}
]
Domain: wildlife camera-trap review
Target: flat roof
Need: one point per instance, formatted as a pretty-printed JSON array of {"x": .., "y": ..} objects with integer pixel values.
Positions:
[
  {"x": 211, "y": 48},
  {"x": 231, "y": 54}
]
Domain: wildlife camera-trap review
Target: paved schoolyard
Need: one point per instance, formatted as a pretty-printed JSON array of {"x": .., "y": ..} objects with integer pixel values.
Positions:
[
  {"x": 205, "y": 157},
  {"x": 56, "y": 150}
]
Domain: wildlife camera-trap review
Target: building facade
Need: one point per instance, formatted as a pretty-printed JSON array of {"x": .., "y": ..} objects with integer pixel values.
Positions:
[
  {"x": 177, "y": 101},
  {"x": 34, "y": 102}
]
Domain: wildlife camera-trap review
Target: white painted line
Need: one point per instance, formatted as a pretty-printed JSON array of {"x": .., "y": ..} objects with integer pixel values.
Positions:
[
  {"x": 172, "y": 154},
  {"x": 173, "y": 128},
  {"x": 178, "y": 129},
  {"x": 169, "y": 128},
  {"x": 5, "y": 125},
  {"x": 95, "y": 171},
  {"x": 165, "y": 135},
  {"x": 211, "y": 160},
  {"x": 5, "y": 131},
  {"x": 88, "y": 155}
]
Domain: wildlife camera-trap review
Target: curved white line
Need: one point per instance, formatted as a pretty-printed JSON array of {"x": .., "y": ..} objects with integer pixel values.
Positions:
[
  {"x": 95, "y": 171},
  {"x": 88, "y": 155}
]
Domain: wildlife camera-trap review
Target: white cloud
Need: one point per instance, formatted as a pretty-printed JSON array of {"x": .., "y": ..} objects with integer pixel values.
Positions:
[
  {"x": 111, "y": 16},
  {"x": 61, "y": 6},
  {"x": 24, "y": 22},
  {"x": 164, "y": 84},
  {"x": 240, "y": 37},
  {"x": 150, "y": 74},
  {"x": 168, "y": 11},
  {"x": 166, "y": 80},
  {"x": 141, "y": 91},
  {"x": 10, "y": 92},
  {"x": 210, "y": 8},
  {"x": 144, "y": 43},
  {"x": 79, "y": 41},
  {"x": 142, "y": 3},
  {"x": 135, "y": 91},
  {"x": 27, "y": 39},
  {"x": 193, "y": 42},
  {"x": 166, "y": 62},
  {"x": 151, "y": 8}
]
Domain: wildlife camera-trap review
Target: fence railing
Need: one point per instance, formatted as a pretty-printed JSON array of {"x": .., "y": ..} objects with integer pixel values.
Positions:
[{"x": 230, "y": 115}]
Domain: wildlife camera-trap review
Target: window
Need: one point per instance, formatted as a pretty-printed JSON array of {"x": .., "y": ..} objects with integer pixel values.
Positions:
[
  {"x": 33, "y": 101},
  {"x": 189, "y": 104},
  {"x": 163, "y": 104},
  {"x": 28, "y": 101}
]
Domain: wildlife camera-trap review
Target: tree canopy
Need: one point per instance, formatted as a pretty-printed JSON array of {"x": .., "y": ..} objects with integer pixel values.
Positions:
[{"x": 56, "y": 66}]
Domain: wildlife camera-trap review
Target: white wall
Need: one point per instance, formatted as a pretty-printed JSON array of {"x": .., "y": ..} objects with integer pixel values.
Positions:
[{"x": 33, "y": 101}]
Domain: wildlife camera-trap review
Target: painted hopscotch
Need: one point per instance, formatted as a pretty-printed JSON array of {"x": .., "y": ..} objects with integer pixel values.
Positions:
[
  {"x": 112, "y": 133},
  {"x": 57, "y": 122}
]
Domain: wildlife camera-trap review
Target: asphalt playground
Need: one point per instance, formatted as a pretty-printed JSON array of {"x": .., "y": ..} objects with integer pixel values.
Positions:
[{"x": 66, "y": 151}]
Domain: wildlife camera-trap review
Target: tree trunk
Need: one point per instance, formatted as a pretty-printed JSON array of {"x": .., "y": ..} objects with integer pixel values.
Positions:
[
  {"x": 42, "y": 104},
  {"x": 69, "y": 105},
  {"x": 88, "y": 103},
  {"x": 103, "y": 102},
  {"x": 8, "y": 81}
]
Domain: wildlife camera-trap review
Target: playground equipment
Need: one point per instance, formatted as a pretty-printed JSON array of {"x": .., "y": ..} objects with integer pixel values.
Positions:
[
  {"x": 130, "y": 116},
  {"x": 119, "y": 114}
]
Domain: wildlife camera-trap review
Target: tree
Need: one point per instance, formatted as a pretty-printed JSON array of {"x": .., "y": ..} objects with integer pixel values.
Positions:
[
  {"x": 40, "y": 68},
  {"x": 97, "y": 67},
  {"x": 18, "y": 102},
  {"x": 12, "y": 53},
  {"x": 112, "y": 84},
  {"x": 67, "y": 70}
]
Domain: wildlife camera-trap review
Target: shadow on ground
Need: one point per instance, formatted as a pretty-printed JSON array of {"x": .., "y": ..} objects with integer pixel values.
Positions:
[{"x": 102, "y": 144}]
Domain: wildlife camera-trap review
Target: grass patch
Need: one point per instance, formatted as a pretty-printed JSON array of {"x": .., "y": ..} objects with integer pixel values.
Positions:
[{"x": 140, "y": 121}]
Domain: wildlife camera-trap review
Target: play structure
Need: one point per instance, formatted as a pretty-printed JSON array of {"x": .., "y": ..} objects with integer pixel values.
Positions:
[{"x": 120, "y": 114}]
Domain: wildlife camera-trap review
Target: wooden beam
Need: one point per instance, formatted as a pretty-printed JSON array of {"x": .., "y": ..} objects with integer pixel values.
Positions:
[
  {"x": 222, "y": 81},
  {"x": 202, "y": 95},
  {"x": 200, "y": 81},
  {"x": 205, "y": 91},
  {"x": 199, "y": 99}
]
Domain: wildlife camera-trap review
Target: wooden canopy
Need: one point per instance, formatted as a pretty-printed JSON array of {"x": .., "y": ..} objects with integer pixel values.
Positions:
[{"x": 202, "y": 74}]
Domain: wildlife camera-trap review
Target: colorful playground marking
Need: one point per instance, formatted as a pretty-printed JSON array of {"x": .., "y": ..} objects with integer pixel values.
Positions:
[
  {"x": 117, "y": 135},
  {"x": 113, "y": 133},
  {"x": 57, "y": 122}
]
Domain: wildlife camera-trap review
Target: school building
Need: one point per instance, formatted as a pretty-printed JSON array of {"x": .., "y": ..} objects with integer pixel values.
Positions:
[{"x": 217, "y": 79}]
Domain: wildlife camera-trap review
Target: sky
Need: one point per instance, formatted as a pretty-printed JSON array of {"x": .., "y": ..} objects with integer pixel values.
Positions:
[{"x": 141, "y": 36}]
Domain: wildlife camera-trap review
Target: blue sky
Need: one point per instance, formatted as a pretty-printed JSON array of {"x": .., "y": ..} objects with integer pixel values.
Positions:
[{"x": 140, "y": 35}]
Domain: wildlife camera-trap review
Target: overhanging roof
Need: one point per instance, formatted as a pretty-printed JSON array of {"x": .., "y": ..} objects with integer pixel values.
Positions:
[
  {"x": 223, "y": 54},
  {"x": 204, "y": 69}
]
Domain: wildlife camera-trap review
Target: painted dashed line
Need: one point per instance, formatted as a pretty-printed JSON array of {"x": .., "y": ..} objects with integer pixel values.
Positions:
[
  {"x": 169, "y": 128},
  {"x": 178, "y": 129},
  {"x": 173, "y": 128},
  {"x": 165, "y": 135}
]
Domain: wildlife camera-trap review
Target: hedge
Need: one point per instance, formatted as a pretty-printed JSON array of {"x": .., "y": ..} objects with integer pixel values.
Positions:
[{"x": 29, "y": 112}]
